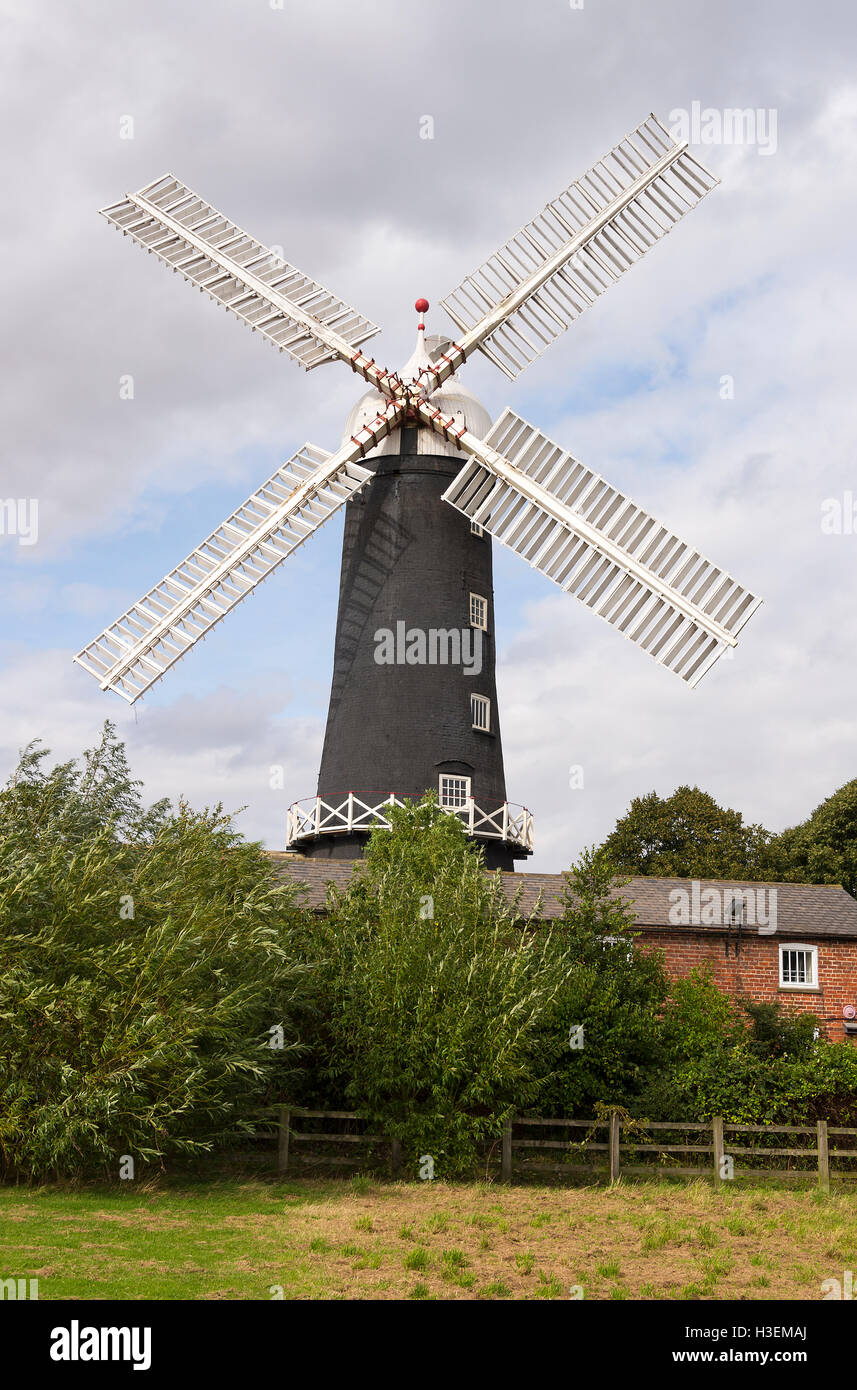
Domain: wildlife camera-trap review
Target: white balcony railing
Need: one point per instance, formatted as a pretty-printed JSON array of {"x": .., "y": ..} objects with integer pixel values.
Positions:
[{"x": 314, "y": 816}]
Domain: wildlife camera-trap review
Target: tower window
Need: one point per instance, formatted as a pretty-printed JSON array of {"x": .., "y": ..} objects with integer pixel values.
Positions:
[
  {"x": 454, "y": 792},
  {"x": 480, "y": 713},
  {"x": 479, "y": 612},
  {"x": 475, "y": 528}
]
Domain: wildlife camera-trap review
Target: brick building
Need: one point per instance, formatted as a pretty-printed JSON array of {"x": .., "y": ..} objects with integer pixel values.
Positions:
[{"x": 793, "y": 944}]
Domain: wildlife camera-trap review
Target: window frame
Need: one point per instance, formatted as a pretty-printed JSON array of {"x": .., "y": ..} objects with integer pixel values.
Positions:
[
  {"x": 480, "y": 728},
  {"x": 479, "y": 599},
  {"x": 476, "y": 529},
  {"x": 812, "y": 951},
  {"x": 453, "y": 777}
]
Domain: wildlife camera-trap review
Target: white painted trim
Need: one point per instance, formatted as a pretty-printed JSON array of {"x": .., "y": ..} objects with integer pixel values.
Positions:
[
  {"x": 813, "y": 985},
  {"x": 315, "y": 816}
]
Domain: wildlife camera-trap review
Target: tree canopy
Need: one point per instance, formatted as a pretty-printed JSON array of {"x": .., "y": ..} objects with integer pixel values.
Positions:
[
  {"x": 823, "y": 848},
  {"x": 688, "y": 835}
]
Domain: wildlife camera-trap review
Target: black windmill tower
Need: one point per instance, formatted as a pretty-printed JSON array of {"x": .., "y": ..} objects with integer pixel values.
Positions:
[
  {"x": 427, "y": 481},
  {"x": 413, "y": 702}
]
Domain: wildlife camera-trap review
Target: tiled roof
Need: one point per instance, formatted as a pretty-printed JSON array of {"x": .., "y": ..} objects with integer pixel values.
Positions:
[{"x": 803, "y": 909}]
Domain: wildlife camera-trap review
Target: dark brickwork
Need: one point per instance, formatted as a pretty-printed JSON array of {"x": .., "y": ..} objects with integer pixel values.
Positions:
[{"x": 409, "y": 557}]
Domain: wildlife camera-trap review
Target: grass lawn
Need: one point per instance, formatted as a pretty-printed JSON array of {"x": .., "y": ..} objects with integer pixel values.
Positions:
[{"x": 363, "y": 1239}]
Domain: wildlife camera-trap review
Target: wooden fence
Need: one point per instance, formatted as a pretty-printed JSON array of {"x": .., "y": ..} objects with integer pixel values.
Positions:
[{"x": 634, "y": 1137}]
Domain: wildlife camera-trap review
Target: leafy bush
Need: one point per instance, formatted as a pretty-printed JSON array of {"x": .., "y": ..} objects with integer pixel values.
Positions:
[
  {"x": 144, "y": 956},
  {"x": 613, "y": 993},
  {"x": 770, "y": 1072},
  {"x": 433, "y": 999},
  {"x": 774, "y": 1033}
]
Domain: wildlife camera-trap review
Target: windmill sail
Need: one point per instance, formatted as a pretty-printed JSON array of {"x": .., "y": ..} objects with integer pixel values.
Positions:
[
  {"x": 136, "y": 650},
  {"x": 524, "y": 296},
  {"x": 597, "y": 544},
  {"x": 292, "y": 311}
]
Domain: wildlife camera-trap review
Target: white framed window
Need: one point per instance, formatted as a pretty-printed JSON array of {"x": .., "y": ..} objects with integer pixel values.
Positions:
[
  {"x": 453, "y": 792},
  {"x": 475, "y": 529},
  {"x": 620, "y": 941},
  {"x": 798, "y": 967},
  {"x": 479, "y": 612},
  {"x": 480, "y": 713}
]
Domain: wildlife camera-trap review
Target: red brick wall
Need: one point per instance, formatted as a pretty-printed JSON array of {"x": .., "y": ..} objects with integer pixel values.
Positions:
[{"x": 755, "y": 972}]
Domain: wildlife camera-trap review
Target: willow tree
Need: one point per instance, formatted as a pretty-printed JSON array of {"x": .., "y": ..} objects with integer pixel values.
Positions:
[{"x": 145, "y": 972}]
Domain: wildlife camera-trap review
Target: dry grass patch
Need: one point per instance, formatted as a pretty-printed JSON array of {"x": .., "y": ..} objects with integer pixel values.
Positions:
[
  {"x": 639, "y": 1242},
  {"x": 434, "y": 1241}
]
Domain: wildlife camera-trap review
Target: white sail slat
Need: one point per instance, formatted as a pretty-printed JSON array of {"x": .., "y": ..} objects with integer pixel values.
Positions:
[
  {"x": 528, "y": 292},
  {"x": 594, "y": 542},
  {"x": 141, "y": 646},
  {"x": 292, "y": 311}
]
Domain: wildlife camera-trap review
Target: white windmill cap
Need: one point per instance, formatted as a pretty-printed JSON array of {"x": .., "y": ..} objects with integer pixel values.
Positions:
[{"x": 452, "y": 398}]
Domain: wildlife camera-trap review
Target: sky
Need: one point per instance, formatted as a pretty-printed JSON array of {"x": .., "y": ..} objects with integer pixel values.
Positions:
[{"x": 713, "y": 383}]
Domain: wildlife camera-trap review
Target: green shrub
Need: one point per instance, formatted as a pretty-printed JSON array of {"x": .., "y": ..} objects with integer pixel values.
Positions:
[
  {"x": 432, "y": 1000},
  {"x": 766, "y": 1072},
  {"x": 144, "y": 957},
  {"x": 774, "y": 1033},
  {"x": 613, "y": 992}
]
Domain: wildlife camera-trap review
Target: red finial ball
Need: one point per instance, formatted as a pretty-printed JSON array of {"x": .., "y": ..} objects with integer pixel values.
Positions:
[{"x": 421, "y": 306}]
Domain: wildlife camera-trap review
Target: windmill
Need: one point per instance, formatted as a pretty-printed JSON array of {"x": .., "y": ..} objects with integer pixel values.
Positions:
[{"x": 427, "y": 480}]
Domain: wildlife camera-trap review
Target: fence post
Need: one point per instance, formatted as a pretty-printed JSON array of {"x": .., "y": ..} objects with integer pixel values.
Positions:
[
  {"x": 283, "y": 1152},
  {"x": 717, "y": 1141},
  {"x": 506, "y": 1159},
  {"x": 823, "y": 1157},
  {"x": 395, "y": 1156},
  {"x": 614, "y": 1145}
]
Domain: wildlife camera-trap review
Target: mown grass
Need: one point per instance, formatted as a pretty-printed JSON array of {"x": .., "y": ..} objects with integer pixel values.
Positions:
[{"x": 305, "y": 1239}]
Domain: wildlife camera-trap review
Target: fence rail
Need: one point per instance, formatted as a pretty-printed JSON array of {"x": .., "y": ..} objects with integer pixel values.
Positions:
[{"x": 633, "y": 1136}]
